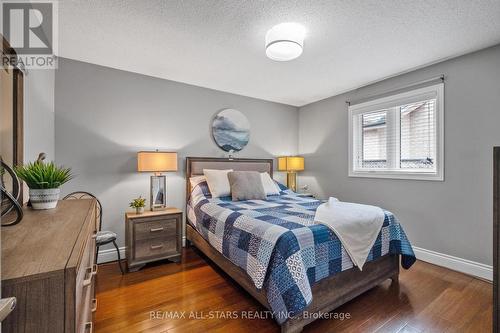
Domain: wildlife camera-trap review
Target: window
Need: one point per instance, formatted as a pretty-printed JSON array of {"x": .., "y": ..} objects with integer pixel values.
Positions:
[{"x": 399, "y": 136}]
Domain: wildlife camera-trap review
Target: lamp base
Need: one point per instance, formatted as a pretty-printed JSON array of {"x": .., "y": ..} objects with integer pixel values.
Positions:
[
  {"x": 291, "y": 181},
  {"x": 157, "y": 208},
  {"x": 158, "y": 192}
]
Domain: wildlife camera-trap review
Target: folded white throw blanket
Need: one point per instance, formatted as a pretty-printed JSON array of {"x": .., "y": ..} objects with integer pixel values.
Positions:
[{"x": 357, "y": 226}]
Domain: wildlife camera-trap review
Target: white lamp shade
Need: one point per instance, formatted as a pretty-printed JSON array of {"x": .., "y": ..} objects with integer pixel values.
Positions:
[{"x": 285, "y": 41}]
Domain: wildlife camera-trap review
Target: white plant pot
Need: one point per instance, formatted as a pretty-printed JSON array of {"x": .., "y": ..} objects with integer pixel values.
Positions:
[
  {"x": 44, "y": 198},
  {"x": 139, "y": 210}
]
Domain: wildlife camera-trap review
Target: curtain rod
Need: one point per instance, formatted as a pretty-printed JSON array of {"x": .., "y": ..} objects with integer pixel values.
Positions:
[{"x": 435, "y": 78}]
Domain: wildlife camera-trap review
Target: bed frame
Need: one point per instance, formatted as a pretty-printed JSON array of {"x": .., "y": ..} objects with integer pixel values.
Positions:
[{"x": 328, "y": 293}]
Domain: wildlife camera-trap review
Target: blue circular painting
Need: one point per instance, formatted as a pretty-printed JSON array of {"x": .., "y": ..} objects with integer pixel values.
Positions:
[{"x": 231, "y": 130}]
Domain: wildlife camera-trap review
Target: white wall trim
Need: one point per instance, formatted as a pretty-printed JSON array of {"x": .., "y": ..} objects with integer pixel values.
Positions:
[
  {"x": 110, "y": 255},
  {"x": 454, "y": 263},
  {"x": 440, "y": 259}
]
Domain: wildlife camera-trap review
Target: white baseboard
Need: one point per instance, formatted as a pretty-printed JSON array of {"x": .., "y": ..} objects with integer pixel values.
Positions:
[
  {"x": 110, "y": 255},
  {"x": 457, "y": 264},
  {"x": 444, "y": 260}
]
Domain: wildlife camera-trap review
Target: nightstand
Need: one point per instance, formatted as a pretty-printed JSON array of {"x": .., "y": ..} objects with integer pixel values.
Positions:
[{"x": 152, "y": 236}]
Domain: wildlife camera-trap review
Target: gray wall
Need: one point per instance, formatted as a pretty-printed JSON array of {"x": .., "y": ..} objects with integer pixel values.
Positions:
[
  {"x": 39, "y": 114},
  {"x": 453, "y": 217},
  {"x": 104, "y": 116}
]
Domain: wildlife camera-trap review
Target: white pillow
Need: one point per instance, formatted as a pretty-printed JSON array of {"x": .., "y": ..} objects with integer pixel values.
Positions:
[
  {"x": 196, "y": 180},
  {"x": 270, "y": 186},
  {"x": 218, "y": 183}
]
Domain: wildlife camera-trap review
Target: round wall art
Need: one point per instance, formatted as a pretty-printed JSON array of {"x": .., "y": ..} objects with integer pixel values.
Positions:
[{"x": 231, "y": 130}]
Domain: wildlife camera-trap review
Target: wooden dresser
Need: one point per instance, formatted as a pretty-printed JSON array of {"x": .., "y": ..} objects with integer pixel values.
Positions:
[{"x": 48, "y": 264}]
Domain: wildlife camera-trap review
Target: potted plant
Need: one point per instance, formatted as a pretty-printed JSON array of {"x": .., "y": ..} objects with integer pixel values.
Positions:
[
  {"x": 139, "y": 204},
  {"x": 43, "y": 180}
]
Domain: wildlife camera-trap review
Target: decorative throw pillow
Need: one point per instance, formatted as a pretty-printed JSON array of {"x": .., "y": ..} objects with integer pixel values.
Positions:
[
  {"x": 218, "y": 182},
  {"x": 196, "y": 180},
  {"x": 270, "y": 187},
  {"x": 246, "y": 185}
]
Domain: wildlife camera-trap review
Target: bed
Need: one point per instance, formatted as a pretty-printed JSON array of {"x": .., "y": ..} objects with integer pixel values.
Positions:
[{"x": 295, "y": 268}]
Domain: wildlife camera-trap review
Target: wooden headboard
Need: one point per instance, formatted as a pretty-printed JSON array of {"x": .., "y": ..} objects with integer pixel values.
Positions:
[{"x": 195, "y": 166}]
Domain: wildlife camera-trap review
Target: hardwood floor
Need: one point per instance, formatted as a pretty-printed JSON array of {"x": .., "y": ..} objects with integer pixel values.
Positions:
[{"x": 428, "y": 299}]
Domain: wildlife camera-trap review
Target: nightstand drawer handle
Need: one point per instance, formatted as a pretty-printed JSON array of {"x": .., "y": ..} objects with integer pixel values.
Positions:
[
  {"x": 156, "y": 229},
  {"x": 155, "y": 247}
]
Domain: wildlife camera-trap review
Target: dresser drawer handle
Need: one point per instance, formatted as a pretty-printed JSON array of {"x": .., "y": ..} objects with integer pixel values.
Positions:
[
  {"x": 156, "y": 229},
  {"x": 94, "y": 304},
  {"x": 93, "y": 272},
  {"x": 89, "y": 327},
  {"x": 155, "y": 247}
]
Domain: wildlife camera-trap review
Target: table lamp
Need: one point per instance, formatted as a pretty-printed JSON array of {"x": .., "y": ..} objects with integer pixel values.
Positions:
[
  {"x": 291, "y": 164},
  {"x": 157, "y": 162}
]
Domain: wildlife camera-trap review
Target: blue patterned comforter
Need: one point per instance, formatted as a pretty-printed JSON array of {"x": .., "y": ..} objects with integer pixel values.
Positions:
[{"x": 279, "y": 246}]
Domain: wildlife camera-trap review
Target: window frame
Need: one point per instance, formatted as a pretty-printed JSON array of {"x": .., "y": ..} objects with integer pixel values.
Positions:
[{"x": 429, "y": 92}]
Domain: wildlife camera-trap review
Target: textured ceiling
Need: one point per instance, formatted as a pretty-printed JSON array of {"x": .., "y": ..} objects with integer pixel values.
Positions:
[{"x": 220, "y": 44}]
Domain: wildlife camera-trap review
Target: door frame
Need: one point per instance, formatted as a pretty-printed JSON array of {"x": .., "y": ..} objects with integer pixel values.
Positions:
[{"x": 496, "y": 238}]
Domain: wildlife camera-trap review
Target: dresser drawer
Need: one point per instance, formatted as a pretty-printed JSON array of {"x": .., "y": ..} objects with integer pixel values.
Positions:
[
  {"x": 84, "y": 318},
  {"x": 85, "y": 277},
  {"x": 156, "y": 247},
  {"x": 152, "y": 229}
]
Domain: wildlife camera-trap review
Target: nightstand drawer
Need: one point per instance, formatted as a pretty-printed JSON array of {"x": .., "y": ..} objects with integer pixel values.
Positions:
[
  {"x": 165, "y": 228},
  {"x": 155, "y": 248}
]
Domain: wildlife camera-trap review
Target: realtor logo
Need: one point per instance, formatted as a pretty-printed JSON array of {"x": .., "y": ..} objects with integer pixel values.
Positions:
[{"x": 29, "y": 27}]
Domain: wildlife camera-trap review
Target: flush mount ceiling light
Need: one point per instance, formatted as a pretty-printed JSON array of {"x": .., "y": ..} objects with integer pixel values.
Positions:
[{"x": 285, "y": 41}]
